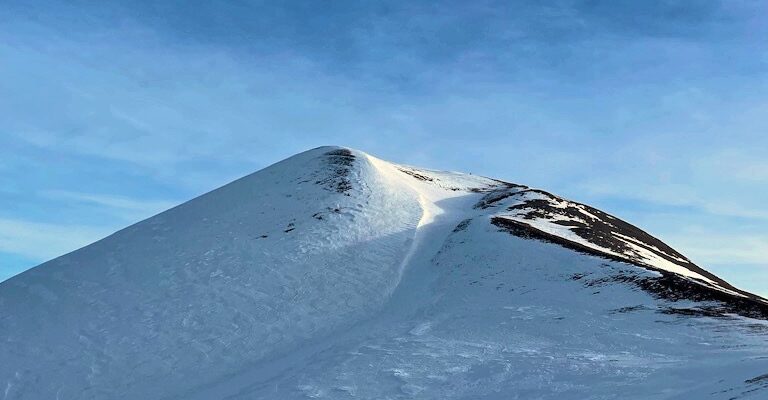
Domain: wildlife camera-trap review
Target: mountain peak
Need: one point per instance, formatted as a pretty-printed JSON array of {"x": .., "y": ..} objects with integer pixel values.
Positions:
[{"x": 335, "y": 274}]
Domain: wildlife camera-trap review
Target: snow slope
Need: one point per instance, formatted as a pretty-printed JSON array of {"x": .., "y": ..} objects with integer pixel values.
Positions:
[{"x": 336, "y": 275}]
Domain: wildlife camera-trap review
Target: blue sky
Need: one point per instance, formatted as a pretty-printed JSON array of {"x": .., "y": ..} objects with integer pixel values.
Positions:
[{"x": 655, "y": 111}]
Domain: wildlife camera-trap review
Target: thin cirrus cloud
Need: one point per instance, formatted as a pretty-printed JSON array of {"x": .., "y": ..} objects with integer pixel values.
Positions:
[
  {"x": 715, "y": 203},
  {"x": 123, "y": 207},
  {"x": 653, "y": 112},
  {"x": 37, "y": 240},
  {"x": 726, "y": 248},
  {"x": 24, "y": 242}
]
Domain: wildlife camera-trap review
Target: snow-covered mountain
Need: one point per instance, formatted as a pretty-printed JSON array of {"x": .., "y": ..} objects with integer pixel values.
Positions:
[{"x": 337, "y": 275}]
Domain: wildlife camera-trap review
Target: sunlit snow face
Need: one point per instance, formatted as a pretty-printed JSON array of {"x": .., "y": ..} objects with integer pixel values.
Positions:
[
  {"x": 336, "y": 274},
  {"x": 653, "y": 112}
]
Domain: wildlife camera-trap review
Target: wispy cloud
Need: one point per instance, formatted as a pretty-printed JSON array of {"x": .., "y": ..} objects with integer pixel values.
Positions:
[
  {"x": 124, "y": 207},
  {"x": 750, "y": 277},
  {"x": 746, "y": 166},
  {"x": 717, "y": 201},
  {"x": 656, "y": 105},
  {"x": 42, "y": 241},
  {"x": 709, "y": 247}
]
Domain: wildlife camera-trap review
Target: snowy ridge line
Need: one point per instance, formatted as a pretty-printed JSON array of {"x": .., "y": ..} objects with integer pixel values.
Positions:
[
  {"x": 336, "y": 275},
  {"x": 587, "y": 228},
  {"x": 428, "y": 209},
  {"x": 668, "y": 285},
  {"x": 594, "y": 228},
  {"x": 430, "y": 187},
  {"x": 244, "y": 273}
]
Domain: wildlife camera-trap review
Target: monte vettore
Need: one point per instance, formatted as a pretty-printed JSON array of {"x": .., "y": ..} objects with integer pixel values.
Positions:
[{"x": 336, "y": 275}]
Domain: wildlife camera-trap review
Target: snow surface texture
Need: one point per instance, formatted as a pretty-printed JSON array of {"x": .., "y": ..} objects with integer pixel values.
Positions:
[{"x": 336, "y": 275}]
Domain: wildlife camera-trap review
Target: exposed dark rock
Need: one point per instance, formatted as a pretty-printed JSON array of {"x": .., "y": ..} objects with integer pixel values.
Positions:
[
  {"x": 495, "y": 196},
  {"x": 417, "y": 175},
  {"x": 668, "y": 286},
  {"x": 758, "y": 379},
  {"x": 462, "y": 225},
  {"x": 603, "y": 229},
  {"x": 340, "y": 161}
]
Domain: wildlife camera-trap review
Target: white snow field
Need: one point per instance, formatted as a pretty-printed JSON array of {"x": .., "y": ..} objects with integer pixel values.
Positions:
[{"x": 336, "y": 275}]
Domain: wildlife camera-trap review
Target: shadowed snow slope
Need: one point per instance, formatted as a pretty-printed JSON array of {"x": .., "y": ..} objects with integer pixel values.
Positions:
[{"x": 336, "y": 275}]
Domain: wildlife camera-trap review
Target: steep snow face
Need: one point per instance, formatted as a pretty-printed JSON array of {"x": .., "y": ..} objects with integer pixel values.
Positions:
[
  {"x": 506, "y": 317},
  {"x": 300, "y": 249},
  {"x": 337, "y": 275}
]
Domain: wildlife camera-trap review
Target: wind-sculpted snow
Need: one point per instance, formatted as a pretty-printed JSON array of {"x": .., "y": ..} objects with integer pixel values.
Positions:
[
  {"x": 337, "y": 275},
  {"x": 209, "y": 287}
]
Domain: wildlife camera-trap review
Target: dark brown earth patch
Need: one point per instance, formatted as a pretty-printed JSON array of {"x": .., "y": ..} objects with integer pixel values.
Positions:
[
  {"x": 340, "y": 162},
  {"x": 668, "y": 286}
]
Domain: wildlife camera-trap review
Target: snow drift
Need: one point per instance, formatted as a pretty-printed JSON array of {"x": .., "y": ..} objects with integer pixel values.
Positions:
[{"x": 337, "y": 275}]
